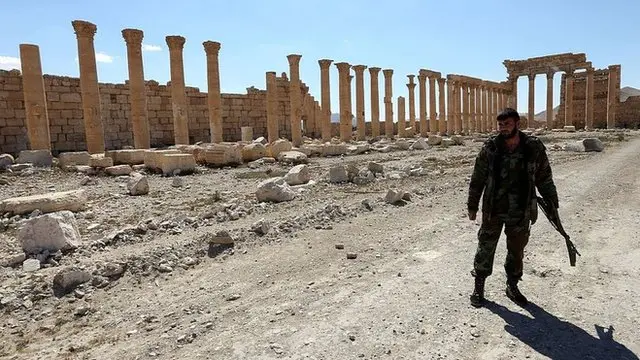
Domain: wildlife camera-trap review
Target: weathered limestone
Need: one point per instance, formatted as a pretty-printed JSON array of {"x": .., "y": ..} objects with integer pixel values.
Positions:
[
  {"x": 272, "y": 105},
  {"x": 325, "y": 85},
  {"x": 611, "y": 98},
  {"x": 549, "y": 111},
  {"x": 422, "y": 80},
  {"x": 94, "y": 129},
  {"x": 568, "y": 109},
  {"x": 473, "y": 127},
  {"x": 487, "y": 108},
  {"x": 375, "y": 101},
  {"x": 345, "y": 113},
  {"x": 481, "y": 106},
  {"x": 359, "y": 70},
  {"x": 531, "y": 113},
  {"x": 513, "y": 81},
  {"x": 214, "y": 98},
  {"x": 74, "y": 200},
  {"x": 433, "y": 123},
  {"x": 588, "y": 113},
  {"x": 450, "y": 107},
  {"x": 494, "y": 109},
  {"x": 388, "y": 102},
  {"x": 443, "y": 106},
  {"x": 402, "y": 123},
  {"x": 465, "y": 109},
  {"x": 411, "y": 86},
  {"x": 294, "y": 98},
  {"x": 457, "y": 118},
  {"x": 246, "y": 134},
  {"x": 178, "y": 94},
  {"x": 137, "y": 90},
  {"x": 35, "y": 101},
  {"x": 349, "y": 104}
]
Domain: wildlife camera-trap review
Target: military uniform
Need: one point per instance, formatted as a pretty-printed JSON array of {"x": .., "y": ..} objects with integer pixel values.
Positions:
[{"x": 507, "y": 181}]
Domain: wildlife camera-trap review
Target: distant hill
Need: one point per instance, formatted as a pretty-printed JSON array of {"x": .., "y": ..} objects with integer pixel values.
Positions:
[{"x": 625, "y": 93}]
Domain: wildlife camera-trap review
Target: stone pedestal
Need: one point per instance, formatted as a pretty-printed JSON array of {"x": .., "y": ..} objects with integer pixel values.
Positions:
[
  {"x": 568, "y": 100},
  {"x": 345, "y": 115},
  {"x": 531, "y": 113},
  {"x": 246, "y": 134},
  {"x": 178, "y": 94},
  {"x": 375, "y": 101},
  {"x": 402, "y": 123},
  {"x": 442, "y": 128},
  {"x": 35, "y": 100},
  {"x": 137, "y": 89},
  {"x": 588, "y": 113},
  {"x": 362, "y": 131},
  {"x": 411, "y": 86},
  {"x": 94, "y": 130},
  {"x": 272, "y": 106},
  {"x": 294, "y": 99},
  {"x": 433, "y": 122},
  {"x": 388, "y": 102},
  {"x": 611, "y": 97},
  {"x": 325, "y": 88},
  {"x": 214, "y": 97},
  {"x": 422, "y": 80}
]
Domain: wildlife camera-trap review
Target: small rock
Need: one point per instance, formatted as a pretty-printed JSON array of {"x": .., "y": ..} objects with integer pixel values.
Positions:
[
  {"x": 298, "y": 175},
  {"x": 177, "y": 182},
  {"x": 138, "y": 185},
  {"x": 376, "y": 168},
  {"x": 31, "y": 265},
  {"x": 232, "y": 297},
  {"x": 275, "y": 190},
  {"x": 221, "y": 237},
  {"x": 338, "y": 174},
  {"x": 352, "y": 255},
  {"x": 260, "y": 227},
  {"x": 339, "y": 246}
]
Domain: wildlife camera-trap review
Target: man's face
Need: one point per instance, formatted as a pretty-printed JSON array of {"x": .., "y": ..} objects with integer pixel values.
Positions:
[{"x": 508, "y": 127}]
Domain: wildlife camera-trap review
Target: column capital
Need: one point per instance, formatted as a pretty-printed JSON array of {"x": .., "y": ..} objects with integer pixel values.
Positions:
[
  {"x": 512, "y": 77},
  {"x": 441, "y": 81},
  {"x": 550, "y": 74},
  {"x": 343, "y": 66},
  {"x": 387, "y": 72},
  {"x": 294, "y": 59},
  {"x": 374, "y": 71},
  {"x": 133, "y": 36},
  {"x": 411, "y": 85},
  {"x": 211, "y": 47},
  {"x": 531, "y": 76},
  {"x": 84, "y": 28},
  {"x": 175, "y": 42},
  {"x": 359, "y": 68},
  {"x": 411, "y": 77},
  {"x": 569, "y": 72},
  {"x": 325, "y": 63},
  {"x": 590, "y": 70}
]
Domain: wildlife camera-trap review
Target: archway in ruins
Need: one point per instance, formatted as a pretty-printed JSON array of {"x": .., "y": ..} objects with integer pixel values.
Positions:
[{"x": 567, "y": 64}]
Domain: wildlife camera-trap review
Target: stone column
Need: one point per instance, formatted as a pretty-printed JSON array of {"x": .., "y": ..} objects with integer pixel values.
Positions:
[
  {"x": 375, "y": 102},
  {"x": 568, "y": 100},
  {"x": 465, "y": 108},
  {"x": 362, "y": 130},
  {"x": 487, "y": 108},
  {"x": 94, "y": 130},
  {"x": 549, "y": 111},
  {"x": 212, "y": 49},
  {"x": 325, "y": 86},
  {"x": 532, "y": 81},
  {"x": 137, "y": 89},
  {"x": 494, "y": 121},
  {"x": 611, "y": 97},
  {"x": 450, "y": 107},
  {"x": 295, "y": 114},
  {"x": 388, "y": 102},
  {"x": 433, "y": 123},
  {"x": 588, "y": 111},
  {"x": 402, "y": 124},
  {"x": 457, "y": 115},
  {"x": 343, "y": 87},
  {"x": 442, "y": 106},
  {"x": 35, "y": 99},
  {"x": 272, "y": 107},
  {"x": 473, "y": 116},
  {"x": 178, "y": 94},
  {"x": 422, "y": 80},
  {"x": 513, "y": 80},
  {"x": 350, "y": 105},
  {"x": 412, "y": 104},
  {"x": 481, "y": 105}
]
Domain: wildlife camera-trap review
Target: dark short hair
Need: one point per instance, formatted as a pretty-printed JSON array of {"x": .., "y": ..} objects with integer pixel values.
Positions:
[{"x": 509, "y": 113}]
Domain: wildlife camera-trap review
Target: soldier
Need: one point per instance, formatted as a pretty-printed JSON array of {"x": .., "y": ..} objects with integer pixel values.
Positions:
[{"x": 508, "y": 168}]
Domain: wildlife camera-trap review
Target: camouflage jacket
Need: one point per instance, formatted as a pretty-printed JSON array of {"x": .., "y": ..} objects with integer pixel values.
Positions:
[{"x": 486, "y": 169}]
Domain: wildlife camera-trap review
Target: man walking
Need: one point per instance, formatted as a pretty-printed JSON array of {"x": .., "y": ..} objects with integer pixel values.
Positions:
[{"x": 508, "y": 169}]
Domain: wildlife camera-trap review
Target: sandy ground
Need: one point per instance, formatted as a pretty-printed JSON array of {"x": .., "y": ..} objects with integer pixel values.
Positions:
[{"x": 294, "y": 294}]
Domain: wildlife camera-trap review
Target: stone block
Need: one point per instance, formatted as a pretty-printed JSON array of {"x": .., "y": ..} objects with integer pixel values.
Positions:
[
  {"x": 223, "y": 155},
  {"x": 152, "y": 157},
  {"x": 74, "y": 200},
  {"x": 569, "y": 128},
  {"x": 293, "y": 157},
  {"x": 277, "y": 147},
  {"x": 253, "y": 151},
  {"x": 40, "y": 158},
  {"x": 334, "y": 149},
  {"x": 434, "y": 140},
  {"x": 119, "y": 170},
  {"x": 185, "y": 163},
  {"x": 100, "y": 161},
  {"x": 73, "y": 158},
  {"x": 127, "y": 156},
  {"x": 53, "y": 232}
]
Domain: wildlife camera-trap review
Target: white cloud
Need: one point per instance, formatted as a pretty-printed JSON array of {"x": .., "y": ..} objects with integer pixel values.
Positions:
[
  {"x": 9, "y": 63},
  {"x": 147, "y": 47},
  {"x": 103, "y": 58}
]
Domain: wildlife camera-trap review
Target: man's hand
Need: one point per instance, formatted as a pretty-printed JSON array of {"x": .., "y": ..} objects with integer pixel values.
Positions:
[{"x": 472, "y": 215}]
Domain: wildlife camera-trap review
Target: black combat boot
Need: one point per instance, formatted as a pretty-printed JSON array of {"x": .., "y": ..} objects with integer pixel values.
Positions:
[
  {"x": 514, "y": 293},
  {"x": 477, "y": 298}
]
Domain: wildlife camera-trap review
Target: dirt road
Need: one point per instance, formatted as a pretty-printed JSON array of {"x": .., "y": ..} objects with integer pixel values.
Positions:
[{"x": 405, "y": 295}]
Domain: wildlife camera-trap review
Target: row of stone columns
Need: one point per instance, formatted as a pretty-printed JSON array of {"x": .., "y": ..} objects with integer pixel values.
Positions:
[
  {"x": 475, "y": 105},
  {"x": 35, "y": 99}
]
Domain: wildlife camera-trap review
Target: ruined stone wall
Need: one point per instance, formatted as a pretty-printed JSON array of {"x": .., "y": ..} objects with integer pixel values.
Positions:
[
  {"x": 628, "y": 115},
  {"x": 64, "y": 104},
  {"x": 600, "y": 94}
]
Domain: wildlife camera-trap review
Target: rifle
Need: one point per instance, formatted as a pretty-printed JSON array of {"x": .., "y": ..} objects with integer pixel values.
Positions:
[{"x": 551, "y": 213}]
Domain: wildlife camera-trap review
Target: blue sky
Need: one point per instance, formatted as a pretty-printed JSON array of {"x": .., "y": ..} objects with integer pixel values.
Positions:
[{"x": 458, "y": 36}]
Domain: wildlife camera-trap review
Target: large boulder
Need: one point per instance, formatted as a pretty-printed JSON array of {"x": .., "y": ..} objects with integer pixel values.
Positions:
[
  {"x": 293, "y": 157},
  {"x": 40, "y": 158},
  {"x": 53, "y": 232},
  {"x": 138, "y": 184},
  {"x": 275, "y": 190},
  {"x": 253, "y": 151},
  {"x": 74, "y": 200},
  {"x": 298, "y": 175},
  {"x": 592, "y": 144}
]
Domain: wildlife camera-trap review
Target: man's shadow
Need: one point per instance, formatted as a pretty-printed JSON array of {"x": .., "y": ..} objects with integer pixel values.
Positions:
[{"x": 559, "y": 339}]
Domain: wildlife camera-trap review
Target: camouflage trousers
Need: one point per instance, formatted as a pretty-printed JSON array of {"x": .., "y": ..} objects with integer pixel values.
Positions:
[{"x": 517, "y": 233}]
